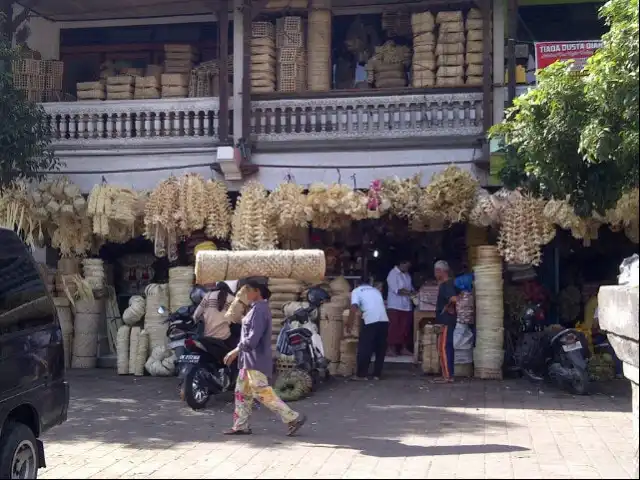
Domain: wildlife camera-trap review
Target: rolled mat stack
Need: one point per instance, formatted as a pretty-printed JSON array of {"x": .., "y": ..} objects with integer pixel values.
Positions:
[
  {"x": 283, "y": 292},
  {"x": 488, "y": 354},
  {"x": 88, "y": 315},
  {"x": 65, "y": 316},
  {"x": 157, "y": 296},
  {"x": 180, "y": 285},
  {"x": 429, "y": 344},
  {"x": 215, "y": 266},
  {"x": 348, "y": 357},
  {"x": 331, "y": 326}
]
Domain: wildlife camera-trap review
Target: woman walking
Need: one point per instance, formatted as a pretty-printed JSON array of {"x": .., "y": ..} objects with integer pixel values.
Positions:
[{"x": 256, "y": 365}]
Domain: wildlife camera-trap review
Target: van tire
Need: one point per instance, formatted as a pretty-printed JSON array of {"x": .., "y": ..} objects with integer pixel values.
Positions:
[{"x": 17, "y": 436}]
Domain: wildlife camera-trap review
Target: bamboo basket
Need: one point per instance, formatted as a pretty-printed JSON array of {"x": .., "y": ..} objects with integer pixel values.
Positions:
[
  {"x": 122, "y": 349},
  {"x": 331, "y": 333}
]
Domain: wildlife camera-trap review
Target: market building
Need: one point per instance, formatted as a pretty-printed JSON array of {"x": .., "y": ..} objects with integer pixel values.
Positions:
[{"x": 337, "y": 93}]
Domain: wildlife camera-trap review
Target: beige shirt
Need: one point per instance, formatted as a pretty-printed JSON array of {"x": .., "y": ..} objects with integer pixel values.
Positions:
[{"x": 215, "y": 323}]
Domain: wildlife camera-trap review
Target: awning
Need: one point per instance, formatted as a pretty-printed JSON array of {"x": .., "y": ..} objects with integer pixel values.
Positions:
[{"x": 84, "y": 10}]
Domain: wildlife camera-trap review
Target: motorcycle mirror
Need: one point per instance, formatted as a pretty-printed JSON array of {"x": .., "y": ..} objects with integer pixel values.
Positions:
[{"x": 162, "y": 310}]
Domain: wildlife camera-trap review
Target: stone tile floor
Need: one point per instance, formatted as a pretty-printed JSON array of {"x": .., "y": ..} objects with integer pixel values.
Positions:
[{"x": 403, "y": 427}]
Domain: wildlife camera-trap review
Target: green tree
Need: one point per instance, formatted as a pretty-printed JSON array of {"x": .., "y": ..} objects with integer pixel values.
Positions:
[
  {"x": 577, "y": 136},
  {"x": 25, "y": 133}
]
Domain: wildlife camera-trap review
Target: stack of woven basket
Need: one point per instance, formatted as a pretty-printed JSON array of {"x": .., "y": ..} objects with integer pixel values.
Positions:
[
  {"x": 179, "y": 58},
  {"x": 423, "y": 63},
  {"x": 90, "y": 90},
  {"x": 348, "y": 357},
  {"x": 120, "y": 87},
  {"x": 474, "y": 47},
  {"x": 429, "y": 353},
  {"x": 147, "y": 87},
  {"x": 89, "y": 314},
  {"x": 387, "y": 67},
  {"x": 488, "y": 355},
  {"x": 175, "y": 85},
  {"x": 319, "y": 46},
  {"x": 292, "y": 58},
  {"x": 283, "y": 292},
  {"x": 157, "y": 296},
  {"x": 450, "y": 49},
  {"x": 263, "y": 57},
  {"x": 180, "y": 285},
  {"x": 93, "y": 272}
]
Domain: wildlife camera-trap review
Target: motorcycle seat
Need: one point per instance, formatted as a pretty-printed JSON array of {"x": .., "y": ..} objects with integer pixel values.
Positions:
[
  {"x": 214, "y": 346},
  {"x": 304, "y": 332}
]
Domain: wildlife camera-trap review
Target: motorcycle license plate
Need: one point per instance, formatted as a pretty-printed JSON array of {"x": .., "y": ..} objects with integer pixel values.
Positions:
[
  {"x": 189, "y": 358},
  {"x": 176, "y": 344},
  {"x": 571, "y": 347}
]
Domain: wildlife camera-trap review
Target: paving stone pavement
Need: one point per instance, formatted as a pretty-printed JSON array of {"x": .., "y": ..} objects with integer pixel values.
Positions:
[{"x": 136, "y": 427}]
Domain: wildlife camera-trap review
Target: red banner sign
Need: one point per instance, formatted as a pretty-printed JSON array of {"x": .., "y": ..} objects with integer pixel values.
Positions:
[{"x": 551, "y": 52}]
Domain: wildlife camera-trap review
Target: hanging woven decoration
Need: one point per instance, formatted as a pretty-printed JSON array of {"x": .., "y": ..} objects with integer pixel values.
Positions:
[{"x": 251, "y": 228}]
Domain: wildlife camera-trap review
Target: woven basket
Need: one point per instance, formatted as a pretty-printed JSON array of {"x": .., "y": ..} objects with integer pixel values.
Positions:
[
  {"x": 487, "y": 373},
  {"x": 475, "y": 47},
  {"x": 451, "y": 27},
  {"x": 133, "y": 348},
  {"x": 473, "y": 59},
  {"x": 122, "y": 349},
  {"x": 85, "y": 345},
  {"x": 453, "y": 16},
  {"x": 426, "y": 38},
  {"x": 474, "y": 24},
  {"x": 331, "y": 333},
  {"x": 91, "y": 94},
  {"x": 474, "y": 81},
  {"x": 263, "y": 29},
  {"x": 83, "y": 362},
  {"x": 456, "y": 37},
  {"x": 142, "y": 353},
  {"x": 450, "y": 60},
  {"x": 463, "y": 370},
  {"x": 475, "y": 36}
]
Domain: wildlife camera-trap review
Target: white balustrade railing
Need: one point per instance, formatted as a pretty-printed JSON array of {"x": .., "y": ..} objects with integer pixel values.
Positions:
[
  {"x": 397, "y": 116},
  {"x": 126, "y": 119}
]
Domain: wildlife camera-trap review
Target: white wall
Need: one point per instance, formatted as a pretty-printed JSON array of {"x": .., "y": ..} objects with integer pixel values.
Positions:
[
  {"x": 305, "y": 168},
  {"x": 45, "y": 35}
]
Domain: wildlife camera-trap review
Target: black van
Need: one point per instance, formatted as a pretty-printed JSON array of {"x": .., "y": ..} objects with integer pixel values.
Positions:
[{"x": 34, "y": 394}]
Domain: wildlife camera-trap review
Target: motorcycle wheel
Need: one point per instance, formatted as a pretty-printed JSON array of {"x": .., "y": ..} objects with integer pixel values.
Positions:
[
  {"x": 580, "y": 382},
  {"x": 195, "y": 393}
]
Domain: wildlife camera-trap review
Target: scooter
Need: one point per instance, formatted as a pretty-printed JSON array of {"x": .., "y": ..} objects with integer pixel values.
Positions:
[
  {"x": 560, "y": 357},
  {"x": 298, "y": 340},
  {"x": 206, "y": 373}
]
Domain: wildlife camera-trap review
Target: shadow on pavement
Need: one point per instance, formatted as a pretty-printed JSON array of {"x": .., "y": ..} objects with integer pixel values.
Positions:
[{"x": 400, "y": 417}]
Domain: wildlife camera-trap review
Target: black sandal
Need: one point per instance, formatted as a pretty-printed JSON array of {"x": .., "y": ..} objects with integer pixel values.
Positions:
[
  {"x": 231, "y": 431},
  {"x": 296, "y": 425}
]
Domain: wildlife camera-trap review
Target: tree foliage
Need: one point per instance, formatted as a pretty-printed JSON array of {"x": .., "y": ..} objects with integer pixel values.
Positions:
[
  {"x": 577, "y": 136},
  {"x": 25, "y": 134}
]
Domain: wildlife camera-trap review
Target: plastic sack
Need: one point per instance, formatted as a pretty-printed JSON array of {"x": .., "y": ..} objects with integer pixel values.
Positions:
[
  {"x": 629, "y": 271},
  {"x": 464, "y": 283},
  {"x": 462, "y": 337}
]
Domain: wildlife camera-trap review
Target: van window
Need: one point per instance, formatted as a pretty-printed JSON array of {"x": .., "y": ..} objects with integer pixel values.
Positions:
[{"x": 24, "y": 303}]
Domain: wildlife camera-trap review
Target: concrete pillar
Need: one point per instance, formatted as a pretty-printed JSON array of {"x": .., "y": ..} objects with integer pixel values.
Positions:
[
  {"x": 618, "y": 316},
  {"x": 498, "y": 60}
]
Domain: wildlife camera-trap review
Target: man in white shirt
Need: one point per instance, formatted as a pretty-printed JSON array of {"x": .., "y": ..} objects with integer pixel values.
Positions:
[
  {"x": 367, "y": 301},
  {"x": 399, "y": 309}
]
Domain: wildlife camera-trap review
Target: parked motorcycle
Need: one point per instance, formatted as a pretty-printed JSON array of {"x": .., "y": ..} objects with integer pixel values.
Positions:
[
  {"x": 560, "y": 357},
  {"x": 296, "y": 339}
]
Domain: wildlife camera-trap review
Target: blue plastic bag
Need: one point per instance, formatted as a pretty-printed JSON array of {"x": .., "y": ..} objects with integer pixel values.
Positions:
[{"x": 464, "y": 283}]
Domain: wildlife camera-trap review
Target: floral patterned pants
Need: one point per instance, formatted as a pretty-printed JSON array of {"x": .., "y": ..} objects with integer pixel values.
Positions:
[{"x": 253, "y": 385}]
